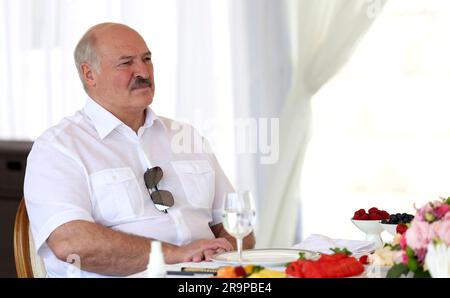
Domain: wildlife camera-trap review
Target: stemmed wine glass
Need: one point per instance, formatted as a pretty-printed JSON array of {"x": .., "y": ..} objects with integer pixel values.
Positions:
[{"x": 239, "y": 216}]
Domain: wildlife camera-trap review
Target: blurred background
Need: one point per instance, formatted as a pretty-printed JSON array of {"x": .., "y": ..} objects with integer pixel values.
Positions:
[{"x": 360, "y": 90}]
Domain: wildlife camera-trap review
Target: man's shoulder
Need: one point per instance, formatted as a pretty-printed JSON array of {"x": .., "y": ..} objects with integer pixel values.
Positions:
[
  {"x": 175, "y": 124},
  {"x": 68, "y": 127}
]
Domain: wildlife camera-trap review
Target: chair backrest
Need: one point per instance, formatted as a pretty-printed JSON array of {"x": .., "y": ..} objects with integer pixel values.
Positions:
[{"x": 28, "y": 263}]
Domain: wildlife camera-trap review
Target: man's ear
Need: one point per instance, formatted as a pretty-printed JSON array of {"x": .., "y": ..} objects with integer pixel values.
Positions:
[{"x": 88, "y": 75}]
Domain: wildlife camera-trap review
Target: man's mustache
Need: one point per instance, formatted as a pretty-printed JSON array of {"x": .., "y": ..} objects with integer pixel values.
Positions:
[{"x": 140, "y": 82}]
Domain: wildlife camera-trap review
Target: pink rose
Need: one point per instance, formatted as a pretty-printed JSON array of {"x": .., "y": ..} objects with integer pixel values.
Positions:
[
  {"x": 447, "y": 216},
  {"x": 441, "y": 230},
  {"x": 420, "y": 254},
  {"x": 440, "y": 211},
  {"x": 420, "y": 214},
  {"x": 418, "y": 235}
]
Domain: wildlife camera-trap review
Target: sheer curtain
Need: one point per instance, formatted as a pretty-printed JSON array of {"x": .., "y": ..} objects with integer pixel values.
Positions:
[
  {"x": 262, "y": 70},
  {"x": 327, "y": 33},
  {"x": 38, "y": 80}
]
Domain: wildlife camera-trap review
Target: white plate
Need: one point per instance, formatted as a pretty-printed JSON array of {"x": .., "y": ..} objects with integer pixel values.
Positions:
[{"x": 263, "y": 257}]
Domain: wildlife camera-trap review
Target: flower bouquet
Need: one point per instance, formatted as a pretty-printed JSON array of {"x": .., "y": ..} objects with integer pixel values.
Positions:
[{"x": 425, "y": 246}]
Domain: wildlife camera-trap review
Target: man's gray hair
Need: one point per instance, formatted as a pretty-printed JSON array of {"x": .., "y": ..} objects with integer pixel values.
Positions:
[{"x": 85, "y": 52}]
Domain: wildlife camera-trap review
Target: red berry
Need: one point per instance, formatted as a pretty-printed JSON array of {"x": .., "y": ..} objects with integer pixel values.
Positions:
[
  {"x": 401, "y": 228},
  {"x": 363, "y": 260},
  {"x": 360, "y": 212},
  {"x": 374, "y": 216},
  {"x": 356, "y": 217},
  {"x": 384, "y": 214},
  {"x": 373, "y": 210},
  {"x": 240, "y": 271},
  {"x": 364, "y": 217}
]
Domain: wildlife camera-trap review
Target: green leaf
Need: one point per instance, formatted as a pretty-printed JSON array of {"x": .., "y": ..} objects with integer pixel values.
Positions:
[
  {"x": 393, "y": 247},
  {"x": 344, "y": 250},
  {"x": 302, "y": 256},
  {"x": 256, "y": 269},
  {"x": 413, "y": 265},
  {"x": 396, "y": 247},
  {"x": 397, "y": 270},
  {"x": 448, "y": 201},
  {"x": 420, "y": 273},
  {"x": 410, "y": 252}
]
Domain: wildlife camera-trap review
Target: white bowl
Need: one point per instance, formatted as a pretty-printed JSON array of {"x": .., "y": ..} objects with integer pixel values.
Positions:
[
  {"x": 372, "y": 229},
  {"x": 390, "y": 228}
]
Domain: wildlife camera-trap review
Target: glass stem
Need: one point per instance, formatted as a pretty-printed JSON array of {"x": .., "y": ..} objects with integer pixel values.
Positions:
[{"x": 239, "y": 248}]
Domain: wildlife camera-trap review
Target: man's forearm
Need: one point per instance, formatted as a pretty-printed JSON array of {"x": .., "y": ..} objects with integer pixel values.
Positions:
[{"x": 101, "y": 250}]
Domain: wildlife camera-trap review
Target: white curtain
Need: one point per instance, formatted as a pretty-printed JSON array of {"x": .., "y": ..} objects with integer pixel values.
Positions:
[
  {"x": 327, "y": 33},
  {"x": 262, "y": 67},
  {"x": 38, "y": 80}
]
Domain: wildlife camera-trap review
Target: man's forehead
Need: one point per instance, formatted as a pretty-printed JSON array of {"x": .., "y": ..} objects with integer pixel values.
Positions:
[
  {"x": 121, "y": 41},
  {"x": 121, "y": 50}
]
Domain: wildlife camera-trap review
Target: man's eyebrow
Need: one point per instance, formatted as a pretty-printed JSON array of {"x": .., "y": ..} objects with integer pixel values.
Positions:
[
  {"x": 132, "y": 57},
  {"x": 126, "y": 57}
]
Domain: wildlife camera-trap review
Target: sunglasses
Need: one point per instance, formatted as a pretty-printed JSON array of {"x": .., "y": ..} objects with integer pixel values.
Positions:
[{"x": 162, "y": 199}]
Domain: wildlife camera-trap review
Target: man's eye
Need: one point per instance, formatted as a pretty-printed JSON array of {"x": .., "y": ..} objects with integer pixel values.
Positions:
[
  {"x": 148, "y": 59},
  {"x": 126, "y": 63}
]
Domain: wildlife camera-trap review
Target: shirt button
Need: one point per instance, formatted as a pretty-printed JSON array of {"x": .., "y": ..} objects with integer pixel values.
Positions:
[{"x": 114, "y": 177}]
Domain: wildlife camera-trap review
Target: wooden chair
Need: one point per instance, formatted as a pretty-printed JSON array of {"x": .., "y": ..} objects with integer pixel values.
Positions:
[{"x": 28, "y": 263}]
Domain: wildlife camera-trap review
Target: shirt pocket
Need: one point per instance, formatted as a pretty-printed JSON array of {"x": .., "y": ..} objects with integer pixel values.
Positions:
[
  {"x": 117, "y": 194},
  {"x": 198, "y": 180}
]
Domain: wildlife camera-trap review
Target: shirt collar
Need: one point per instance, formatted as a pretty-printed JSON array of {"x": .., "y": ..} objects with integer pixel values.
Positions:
[{"x": 105, "y": 122}]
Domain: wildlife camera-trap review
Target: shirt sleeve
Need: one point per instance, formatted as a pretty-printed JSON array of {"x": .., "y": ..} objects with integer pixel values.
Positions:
[
  {"x": 222, "y": 185},
  {"x": 56, "y": 191}
]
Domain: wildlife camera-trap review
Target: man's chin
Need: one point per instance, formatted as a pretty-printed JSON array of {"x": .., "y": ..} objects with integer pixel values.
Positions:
[{"x": 145, "y": 96}]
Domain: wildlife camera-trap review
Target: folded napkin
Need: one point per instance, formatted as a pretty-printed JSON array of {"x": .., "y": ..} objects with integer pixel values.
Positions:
[{"x": 321, "y": 243}]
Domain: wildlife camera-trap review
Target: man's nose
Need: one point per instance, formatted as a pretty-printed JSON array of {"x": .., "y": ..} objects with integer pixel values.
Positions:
[{"x": 142, "y": 70}]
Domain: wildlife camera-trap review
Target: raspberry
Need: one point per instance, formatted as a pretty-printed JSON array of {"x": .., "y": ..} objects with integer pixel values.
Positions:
[
  {"x": 373, "y": 210},
  {"x": 374, "y": 216},
  {"x": 384, "y": 214},
  {"x": 360, "y": 212},
  {"x": 364, "y": 217},
  {"x": 356, "y": 217}
]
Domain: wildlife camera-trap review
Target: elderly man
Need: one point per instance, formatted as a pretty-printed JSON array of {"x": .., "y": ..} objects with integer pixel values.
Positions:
[{"x": 105, "y": 182}]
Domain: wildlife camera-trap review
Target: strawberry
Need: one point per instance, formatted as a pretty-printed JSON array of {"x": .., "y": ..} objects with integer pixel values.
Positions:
[
  {"x": 312, "y": 269},
  {"x": 294, "y": 269},
  {"x": 327, "y": 266},
  {"x": 332, "y": 258}
]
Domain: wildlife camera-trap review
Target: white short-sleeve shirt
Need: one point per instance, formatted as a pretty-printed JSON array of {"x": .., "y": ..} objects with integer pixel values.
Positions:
[{"x": 91, "y": 167}]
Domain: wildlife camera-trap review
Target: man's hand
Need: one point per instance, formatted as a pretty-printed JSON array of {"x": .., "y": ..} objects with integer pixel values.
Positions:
[
  {"x": 209, "y": 253},
  {"x": 197, "y": 251},
  {"x": 220, "y": 232}
]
